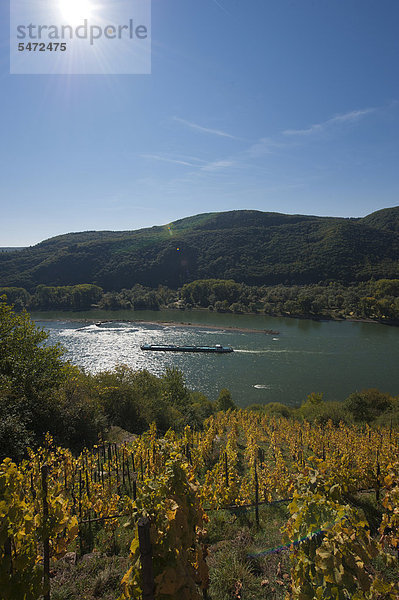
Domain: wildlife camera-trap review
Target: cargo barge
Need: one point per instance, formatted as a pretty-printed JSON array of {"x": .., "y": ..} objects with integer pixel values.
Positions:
[{"x": 218, "y": 349}]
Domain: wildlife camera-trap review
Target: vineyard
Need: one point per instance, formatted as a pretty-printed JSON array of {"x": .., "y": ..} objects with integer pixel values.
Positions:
[{"x": 167, "y": 489}]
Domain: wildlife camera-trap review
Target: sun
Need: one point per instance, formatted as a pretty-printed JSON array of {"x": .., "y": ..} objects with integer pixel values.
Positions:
[{"x": 76, "y": 11}]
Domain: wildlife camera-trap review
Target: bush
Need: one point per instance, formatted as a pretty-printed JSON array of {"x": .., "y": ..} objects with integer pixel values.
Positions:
[
  {"x": 328, "y": 411},
  {"x": 277, "y": 409},
  {"x": 15, "y": 435},
  {"x": 367, "y": 405},
  {"x": 81, "y": 419}
]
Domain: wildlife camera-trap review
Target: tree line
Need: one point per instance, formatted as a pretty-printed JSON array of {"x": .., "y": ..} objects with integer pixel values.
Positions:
[
  {"x": 88, "y": 296},
  {"x": 377, "y": 300}
]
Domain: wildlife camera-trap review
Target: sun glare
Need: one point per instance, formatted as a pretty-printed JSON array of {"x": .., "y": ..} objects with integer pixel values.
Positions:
[{"x": 75, "y": 11}]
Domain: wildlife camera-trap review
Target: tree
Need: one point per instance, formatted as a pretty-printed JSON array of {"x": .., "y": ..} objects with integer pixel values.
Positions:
[
  {"x": 314, "y": 398},
  {"x": 19, "y": 297},
  {"x": 387, "y": 287},
  {"x": 119, "y": 398},
  {"x": 28, "y": 365},
  {"x": 174, "y": 389},
  {"x": 30, "y": 372},
  {"x": 224, "y": 400},
  {"x": 14, "y": 433}
]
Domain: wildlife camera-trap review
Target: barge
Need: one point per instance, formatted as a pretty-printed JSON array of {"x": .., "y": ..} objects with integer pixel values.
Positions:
[{"x": 218, "y": 349}]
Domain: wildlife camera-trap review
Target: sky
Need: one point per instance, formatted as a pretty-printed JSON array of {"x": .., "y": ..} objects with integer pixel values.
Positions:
[{"x": 275, "y": 105}]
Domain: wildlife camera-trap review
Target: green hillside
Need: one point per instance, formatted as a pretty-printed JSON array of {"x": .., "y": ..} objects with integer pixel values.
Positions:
[
  {"x": 10, "y": 249},
  {"x": 248, "y": 246},
  {"x": 387, "y": 219}
]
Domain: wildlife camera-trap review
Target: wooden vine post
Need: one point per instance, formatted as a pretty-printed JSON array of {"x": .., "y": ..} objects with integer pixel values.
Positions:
[
  {"x": 256, "y": 496},
  {"x": 378, "y": 479},
  {"x": 226, "y": 470},
  {"x": 147, "y": 573},
  {"x": 134, "y": 479},
  {"x": 8, "y": 554},
  {"x": 46, "y": 540},
  {"x": 80, "y": 514}
]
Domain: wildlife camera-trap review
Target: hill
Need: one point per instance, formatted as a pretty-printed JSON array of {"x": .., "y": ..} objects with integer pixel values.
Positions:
[
  {"x": 386, "y": 219},
  {"x": 248, "y": 246},
  {"x": 11, "y": 249}
]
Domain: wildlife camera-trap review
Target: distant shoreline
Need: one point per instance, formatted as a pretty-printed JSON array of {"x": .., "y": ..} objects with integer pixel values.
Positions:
[{"x": 212, "y": 326}]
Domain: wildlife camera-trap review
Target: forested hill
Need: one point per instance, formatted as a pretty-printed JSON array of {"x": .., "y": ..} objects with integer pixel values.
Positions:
[
  {"x": 10, "y": 249},
  {"x": 248, "y": 246}
]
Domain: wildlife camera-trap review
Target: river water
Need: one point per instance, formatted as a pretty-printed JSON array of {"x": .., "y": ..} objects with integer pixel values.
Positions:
[{"x": 306, "y": 356}]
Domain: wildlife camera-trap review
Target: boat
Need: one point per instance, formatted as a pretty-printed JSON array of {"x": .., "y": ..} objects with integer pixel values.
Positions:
[{"x": 218, "y": 349}]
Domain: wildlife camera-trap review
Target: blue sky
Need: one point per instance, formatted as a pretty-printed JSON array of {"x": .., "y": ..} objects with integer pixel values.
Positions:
[{"x": 276, "y": 105}]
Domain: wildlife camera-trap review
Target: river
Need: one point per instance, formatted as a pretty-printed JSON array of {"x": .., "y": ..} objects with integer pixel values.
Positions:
[{"x": 336, "y": 358}]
